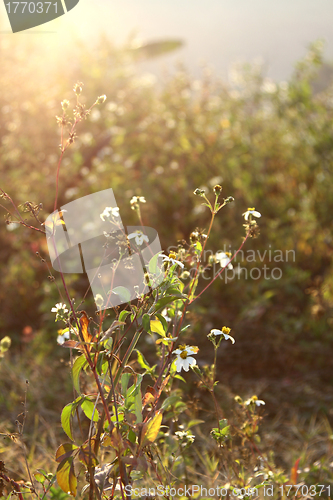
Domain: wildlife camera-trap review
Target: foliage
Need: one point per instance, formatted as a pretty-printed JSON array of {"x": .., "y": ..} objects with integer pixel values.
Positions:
[{"x": 131, "y": 416}]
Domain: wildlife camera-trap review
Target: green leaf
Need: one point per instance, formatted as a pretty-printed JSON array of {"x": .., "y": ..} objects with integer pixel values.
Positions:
[
  {"x": 198, "y": 247},
  {"x": 162, "y": 303},
  {"x": 146, "y": 322},
  {"x": 225, "y": 431},
  {"x": 88, "y": 409},
  {"x": 194, "y": 422},
  {"x": 175, "y": 292},
  {"x": 65, "y": 451},
  {"x": 193, "y": 287},
  {"x": 123, "y": 293},
  {"x": 171, "y": 400},
  {"x": 135, "y": 387},
  {"x": 142, "y": 361},
  {"x": 223, "y": 423},
  {"x": 114, "y": 418},
  {"x": 132, "y": 436},
  {"x": 138, "y": 406},
  {"x": 102, "y": 363},
  {"x": 66, "y": 477},
  {"x": 157, "y": 327},
  {"x": 124, "y": 383},
  {"x": 66, "y": 423},
  {"x": 153, "y": 264},
  {"x": 151, "y": 429},
  {"x": 40, "y": 478},
  {"x": 163, "y": 321},
  {"x": 76, "y": 370},
  {"x": 123, "y": 315}
]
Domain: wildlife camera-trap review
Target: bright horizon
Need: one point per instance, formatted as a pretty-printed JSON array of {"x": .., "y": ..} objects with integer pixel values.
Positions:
[{"x": 217, "y": 32}]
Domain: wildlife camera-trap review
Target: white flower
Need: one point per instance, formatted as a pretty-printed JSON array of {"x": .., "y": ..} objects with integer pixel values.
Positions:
[
  {"x": 65, "y": 335},
  {"x": 139, "y": 237},
  {"x": 59, "y": 308},
  {"x": 223, "y": 259},
  {"x": 138, "y": 199},
  {"x": 225, "y": 332},
  {"x": 183, "y": 360},
  {"x": 172, "y": 259},
  {"x": 255, "y": 400},
  {"x": 251, "y": 211},
  {"x": 108, "y": 212},
  {"x": 185, "y": 438}
]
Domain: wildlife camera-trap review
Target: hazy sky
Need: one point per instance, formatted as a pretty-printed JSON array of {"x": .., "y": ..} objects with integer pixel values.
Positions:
[{"x": 218, "y": 32}]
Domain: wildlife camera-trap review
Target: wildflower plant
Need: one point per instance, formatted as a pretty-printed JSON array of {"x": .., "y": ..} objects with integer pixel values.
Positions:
[{"x": 139, "y": 425}]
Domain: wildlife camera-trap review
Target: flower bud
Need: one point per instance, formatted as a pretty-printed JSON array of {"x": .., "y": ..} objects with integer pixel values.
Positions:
[
  {"x": 230, "y": 199},
  {"x": 211, "y": 260},
  {"x": 194, "y": 236},
  {"x": 5, "y": 343},
  {"x": 101, "y": 99},
  {"x": 217, "y": 189},
  {"x": 199, "y": 192},
  {"x": 78, "y": 88},
  {"x": 64, "y": 104}
]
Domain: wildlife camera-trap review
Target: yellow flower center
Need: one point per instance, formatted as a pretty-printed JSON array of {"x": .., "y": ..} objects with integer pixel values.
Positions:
[
  {"x": 250, "y": 209},
  {"x": 172, "y": 255},
  {"x": 183, "y": 354},
  {"x": 226, "y": 330}
]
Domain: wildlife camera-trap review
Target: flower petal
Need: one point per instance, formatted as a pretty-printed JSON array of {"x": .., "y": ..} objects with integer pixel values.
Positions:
[
  {"x": 216, "y": 332},
  {"x": 179, "y": 364}
]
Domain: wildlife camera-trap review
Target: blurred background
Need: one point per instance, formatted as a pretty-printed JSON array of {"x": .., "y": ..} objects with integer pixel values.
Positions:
[{"x": 238, "y": 94}]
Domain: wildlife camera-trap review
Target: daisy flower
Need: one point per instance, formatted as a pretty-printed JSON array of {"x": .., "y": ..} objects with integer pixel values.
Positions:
[
  {"x": 255, "y": 400},
  {"x": 139, "y": 237},
  {"x": 64, "y": 336},
  {"x": 223, "y": 258},
  {"x": 59, "y": 308},
  {"x": 251, "y": 211},
  {"x": 225, "y": 332},
  {"x": 108, "y": 212},
  {"x": 171, "y": 258},
  {"x": 138, "y": 199},
  {"x": 183, "y": 360}
]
